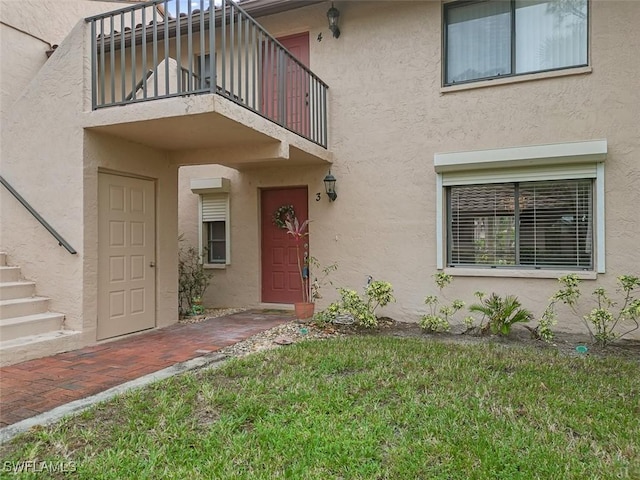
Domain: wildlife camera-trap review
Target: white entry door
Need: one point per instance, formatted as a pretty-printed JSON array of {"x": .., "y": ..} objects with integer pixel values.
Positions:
[{"x": 126, "y": 255}]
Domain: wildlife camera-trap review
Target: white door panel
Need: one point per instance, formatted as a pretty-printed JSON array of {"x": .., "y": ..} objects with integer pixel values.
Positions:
[{"x": 126, "y": 255}]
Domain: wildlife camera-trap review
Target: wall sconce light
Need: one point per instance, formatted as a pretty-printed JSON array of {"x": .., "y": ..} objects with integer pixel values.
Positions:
[
  {"x": 330, "y": 186},
  {"x": 333, "y": 15}
]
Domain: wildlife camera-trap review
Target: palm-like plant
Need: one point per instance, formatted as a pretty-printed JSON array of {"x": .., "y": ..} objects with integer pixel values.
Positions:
[
  {"x": 299, "y": 231},
  {"x": 501, "y": 313}
]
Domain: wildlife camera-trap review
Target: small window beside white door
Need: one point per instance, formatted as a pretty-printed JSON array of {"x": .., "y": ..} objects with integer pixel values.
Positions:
[
  {"x": 215, "y": 243},
  {"x": 213, "y": 220}
]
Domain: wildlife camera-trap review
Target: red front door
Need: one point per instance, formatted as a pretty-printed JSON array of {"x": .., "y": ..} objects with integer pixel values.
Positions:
[
  {"x": 280, "y": 277},
  {"x": 294, "y": 109}
]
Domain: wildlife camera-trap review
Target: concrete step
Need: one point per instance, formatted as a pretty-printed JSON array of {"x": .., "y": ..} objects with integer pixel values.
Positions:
[
  {"x": 16, "y": 327},
  {"x": 9, "y": 274},
  {"x": 27, "y": 329},
  {"x": 36, "y": 346},
  {"x": 11, "y": 290},
  {"x": 18, "y": 307}
]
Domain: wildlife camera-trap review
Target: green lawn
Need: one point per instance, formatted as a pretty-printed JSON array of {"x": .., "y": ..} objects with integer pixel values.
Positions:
[{"x": 364, "y": 408}]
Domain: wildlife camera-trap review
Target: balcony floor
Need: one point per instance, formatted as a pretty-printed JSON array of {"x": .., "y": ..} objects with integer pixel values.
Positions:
[{"x": 203, "y": 123}]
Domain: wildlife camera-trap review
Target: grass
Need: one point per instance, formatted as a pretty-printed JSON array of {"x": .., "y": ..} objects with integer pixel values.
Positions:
[{"x": 364, "y": 408}]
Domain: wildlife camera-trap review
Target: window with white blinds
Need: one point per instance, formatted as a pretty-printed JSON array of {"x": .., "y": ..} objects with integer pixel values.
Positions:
[
  {"x": 539, "y": 224},
  {"x": 496, "y": 38},
  {"x": 215, "y": 228}
]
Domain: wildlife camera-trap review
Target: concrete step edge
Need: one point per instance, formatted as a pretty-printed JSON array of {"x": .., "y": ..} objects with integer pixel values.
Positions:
[
  {"x": 15, "y": 283},
  {"x": 36, "y": 346},
  {"x": 16, "y": 301},
  {"x": 30, "y": 318}
]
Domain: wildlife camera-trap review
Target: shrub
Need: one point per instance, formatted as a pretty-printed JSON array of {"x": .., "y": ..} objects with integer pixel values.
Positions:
[
  {"x": 500, "y": 313},
  {"x": 379, "y": 294},
  {"x": 603, "y": 321},
  {"x": 543, "y": 331},
  {"x": 376, "y": 294},
  {"x": 568, "y": 295},
  {"x": 193, "y": 280},
  {"x": 439, "y": 317}
]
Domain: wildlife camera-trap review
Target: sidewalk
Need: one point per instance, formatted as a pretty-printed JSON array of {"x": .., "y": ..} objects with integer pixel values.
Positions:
[{"x": 36, "y": 386}]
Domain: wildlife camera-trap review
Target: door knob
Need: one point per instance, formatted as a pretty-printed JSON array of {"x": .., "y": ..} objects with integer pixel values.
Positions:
[{"x": 152, "y": 264}]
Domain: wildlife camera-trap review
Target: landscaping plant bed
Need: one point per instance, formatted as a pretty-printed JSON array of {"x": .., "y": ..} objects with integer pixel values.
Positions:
[{"x": 564, "y": 342}]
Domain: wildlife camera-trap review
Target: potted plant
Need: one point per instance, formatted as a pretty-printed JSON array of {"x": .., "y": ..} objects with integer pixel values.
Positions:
[{"x": 299, "y": 232}]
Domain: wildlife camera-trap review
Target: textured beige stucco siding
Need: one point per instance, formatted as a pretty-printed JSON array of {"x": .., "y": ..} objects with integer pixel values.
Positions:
[
  {"x": 116, "y": 156},
  {"x": 54, "y": 164},
  {"x": 42, "y": 159},
  {"x": 388, "y": 117},
  {"x": 22, "y": 55}
]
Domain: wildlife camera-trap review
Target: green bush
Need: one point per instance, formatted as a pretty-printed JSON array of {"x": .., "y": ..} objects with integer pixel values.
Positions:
[
  {"x": 602, "y": 322},
  {"x": 500, "y": 313},
  {"x": 377, "y": 294},
  {"x": 193, "y": 279},
  {"x": 569, "y": 295},
  {"x": 439, "y": 317}
]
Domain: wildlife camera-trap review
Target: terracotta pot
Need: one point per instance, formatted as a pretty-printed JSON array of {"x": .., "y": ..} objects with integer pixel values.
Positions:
[{"x": 304, "y": 310}]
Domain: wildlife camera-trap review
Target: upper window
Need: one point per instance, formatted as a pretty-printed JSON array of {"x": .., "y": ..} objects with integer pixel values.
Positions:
[
  {"x": 497, "y": 38},
  {"x": 529, "y": 224}
]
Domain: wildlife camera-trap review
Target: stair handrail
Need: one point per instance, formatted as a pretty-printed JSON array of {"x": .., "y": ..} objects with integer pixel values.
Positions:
[{"x": 61, "y": 241}]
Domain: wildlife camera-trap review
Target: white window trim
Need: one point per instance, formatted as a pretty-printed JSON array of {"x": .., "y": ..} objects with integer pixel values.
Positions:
[
  {"x": 215, "y": 186},
  {"x": 201, "y": 234},
  {"x": 525, "y": 77},
  {"x": 551, "y": 161}
]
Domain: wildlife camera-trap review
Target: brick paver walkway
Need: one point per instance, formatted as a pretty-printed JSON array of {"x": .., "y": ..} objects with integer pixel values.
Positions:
[{"x": 36, "y": 386}]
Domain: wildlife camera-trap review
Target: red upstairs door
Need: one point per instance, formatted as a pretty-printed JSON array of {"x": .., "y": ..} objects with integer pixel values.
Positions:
[
  {"x": 281, "y": 73},
  {"x": 280, "y": 277}
]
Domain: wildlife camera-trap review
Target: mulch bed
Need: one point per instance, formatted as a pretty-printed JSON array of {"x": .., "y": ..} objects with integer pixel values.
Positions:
[{"x": 293, "y": 332}]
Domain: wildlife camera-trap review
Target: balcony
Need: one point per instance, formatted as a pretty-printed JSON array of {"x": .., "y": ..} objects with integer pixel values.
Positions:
[{"x": 217, "y": 62}]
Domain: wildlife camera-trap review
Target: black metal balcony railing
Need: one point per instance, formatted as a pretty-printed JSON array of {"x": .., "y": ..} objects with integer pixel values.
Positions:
[{"x": 154, "y": 50}]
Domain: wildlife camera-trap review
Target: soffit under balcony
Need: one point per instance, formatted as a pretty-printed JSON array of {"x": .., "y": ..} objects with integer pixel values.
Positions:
[{"x": 207, "y": 123}]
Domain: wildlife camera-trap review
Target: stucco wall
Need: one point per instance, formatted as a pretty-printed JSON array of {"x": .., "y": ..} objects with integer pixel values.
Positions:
[
  {"x": 54, "y": 164},
  {"x": 22, "y": 55},
  {"x": 388, "y": 116},
  {"x": 112, "y": 155},
  {"x": 42, "y": 159},
  {"x": 238, "y": 284},
  {"x": 51, "y": 20}
]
